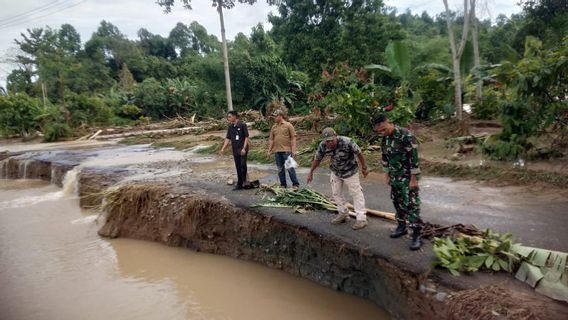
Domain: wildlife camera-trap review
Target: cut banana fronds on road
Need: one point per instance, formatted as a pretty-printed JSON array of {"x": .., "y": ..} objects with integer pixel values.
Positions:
[
  {"x": 544, "y": 270},
  {"x": 301, "y": 199}
]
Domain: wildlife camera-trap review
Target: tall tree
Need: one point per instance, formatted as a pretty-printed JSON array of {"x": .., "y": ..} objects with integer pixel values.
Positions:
[
  {"x": 476, "y": 55},
  {"x": 316, "y": 34},
  {"x": 457, "y": 52},
  {"x": 156, "y": 45},
  {"x": 220, "y": 4}
]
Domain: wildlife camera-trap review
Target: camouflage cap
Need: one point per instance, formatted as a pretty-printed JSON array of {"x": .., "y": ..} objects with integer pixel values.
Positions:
[
  {"x": 278, "y": 112},
  {"x": 328, "y": 134}
]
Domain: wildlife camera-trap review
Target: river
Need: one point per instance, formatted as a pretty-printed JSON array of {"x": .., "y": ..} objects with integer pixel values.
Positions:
[{"x": 53, "y": 265}]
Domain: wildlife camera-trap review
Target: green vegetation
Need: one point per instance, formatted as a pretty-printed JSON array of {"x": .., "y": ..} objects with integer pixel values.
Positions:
[
  {"x": 214, "y": 148},
  {"x": 350, "y": 59},
  {"x": 495, "y": 174},
  {"x": 301, "y": 200},
  {"x": 259, "y": 155},
  {"x": 139, "y": 139},
  {"x": 491, "y": 251},
  {"x": 535, "y": 102},
  {"x": 544, "y": 270}
]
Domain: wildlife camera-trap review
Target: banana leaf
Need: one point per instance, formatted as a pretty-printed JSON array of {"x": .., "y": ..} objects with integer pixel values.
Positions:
[{"x": 544, "y": 270}]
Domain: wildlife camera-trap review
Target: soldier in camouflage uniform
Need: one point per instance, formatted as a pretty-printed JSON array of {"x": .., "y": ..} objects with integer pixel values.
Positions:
[
  {"x": 344, "y": 153},
  {"x": 400, "y": 164}
]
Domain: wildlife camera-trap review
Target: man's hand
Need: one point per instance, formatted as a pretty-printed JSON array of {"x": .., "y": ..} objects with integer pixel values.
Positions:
[
  {"x": 243, "y": 151},
  {"x": 365, "y": 172},
  {"x": 387, "y": 179},
  {"x": 293, "y": 154},
  {"x": 221, "y": 151},
  {"x": 413, "y": 182},
  {"x": 268, "y": 153},
  {"x": 310, "y": 177}
]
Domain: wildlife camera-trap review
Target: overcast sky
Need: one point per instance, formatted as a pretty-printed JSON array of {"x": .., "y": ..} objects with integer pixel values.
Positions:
[{"x": 131, "y": 15}]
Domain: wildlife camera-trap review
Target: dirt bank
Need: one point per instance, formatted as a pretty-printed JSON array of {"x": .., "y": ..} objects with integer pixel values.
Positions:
[
  {"x": 194, "y": 218},
  {"x": 180, "y": 217}
]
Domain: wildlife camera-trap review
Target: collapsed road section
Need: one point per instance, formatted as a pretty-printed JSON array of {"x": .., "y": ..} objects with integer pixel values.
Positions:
[{"x": 202, "y": 215}]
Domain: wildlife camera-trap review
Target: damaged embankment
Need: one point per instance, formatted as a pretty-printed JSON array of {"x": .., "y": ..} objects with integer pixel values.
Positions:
[
  {"x": 185, "y": 217},
  {"x": 178, "y": 217},
  {"x": 14, "y": 168},
  {"x": 198, "y": 218}
]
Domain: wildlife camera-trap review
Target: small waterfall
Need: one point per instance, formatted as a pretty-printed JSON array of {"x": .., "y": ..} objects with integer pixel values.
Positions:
[
  {"x": 20, "y": 170},
  {"x": 70, "y": 182},
  {"x": 26, "y": 163},
  {"x": 52, "y": 176},
  {"x": 4, "y": 169}
]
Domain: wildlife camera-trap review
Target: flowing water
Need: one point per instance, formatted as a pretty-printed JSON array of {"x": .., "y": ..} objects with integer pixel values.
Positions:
[{"x": 53, "y": 265}]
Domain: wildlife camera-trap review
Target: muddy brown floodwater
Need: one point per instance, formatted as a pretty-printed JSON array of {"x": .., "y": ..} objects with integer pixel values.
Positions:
[{"x": 53, "y": 265}]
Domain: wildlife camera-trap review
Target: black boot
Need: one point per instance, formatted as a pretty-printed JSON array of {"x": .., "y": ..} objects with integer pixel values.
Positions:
[
  {"x": 416, "y": 238},
  {"x": 400, "y": 230}
]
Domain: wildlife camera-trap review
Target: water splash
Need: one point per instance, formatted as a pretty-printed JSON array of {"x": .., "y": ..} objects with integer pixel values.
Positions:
[
  {"x": 25, "y": 174},
  {"x": 52, "y": 176},
  {"x": 70, "y": 182},
  {"x": 86, "y": 220},
  {"x": 27, "y": 201}
]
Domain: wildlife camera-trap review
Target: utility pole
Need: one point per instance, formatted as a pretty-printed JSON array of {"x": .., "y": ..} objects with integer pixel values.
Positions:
[{"x": 225, "y": 57}]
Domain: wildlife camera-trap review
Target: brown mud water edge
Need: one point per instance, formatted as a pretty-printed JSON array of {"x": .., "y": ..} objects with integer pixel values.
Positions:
[
  {"x": 178, "y": 217},
  {"x": 196, "y": 218}
]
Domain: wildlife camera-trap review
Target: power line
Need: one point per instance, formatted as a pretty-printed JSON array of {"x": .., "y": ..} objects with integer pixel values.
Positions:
[
  {"x": 33, "y": 14},
  {"x": 62, "y": 8},
  {"x": 17, "y": 16}
]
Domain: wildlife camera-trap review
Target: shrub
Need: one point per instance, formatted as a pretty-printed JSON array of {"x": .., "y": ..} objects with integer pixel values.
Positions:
[
  {"x": 131, "y": 111},
  {"x": 498, "y": 149},
  {"x": 87, "y": 109},
  {"x": 18, "y": 113},
  {"x": 262, "y": 125},
  {"x": 488, "y": 108},
  {"x": 56, "y": 131},
  {"x": 152, "y": 98}
]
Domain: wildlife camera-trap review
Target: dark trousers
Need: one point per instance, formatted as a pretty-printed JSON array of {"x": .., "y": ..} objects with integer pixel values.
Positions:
[
  {"x": 241, "y": 167},
  {"x": 280, "y": 159}
]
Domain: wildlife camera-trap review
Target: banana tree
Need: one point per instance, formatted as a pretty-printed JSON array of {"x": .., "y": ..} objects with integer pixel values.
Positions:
[{"x": 398, "y": 66}]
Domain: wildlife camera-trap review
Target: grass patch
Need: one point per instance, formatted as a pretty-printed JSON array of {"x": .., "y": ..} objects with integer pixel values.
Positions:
[
  {"x": 212, "y": 149},
  {"x": 260, "y": 156},
  {"x": 141, "y": 139},
  {"x": 492, "y": 174},
  {"x": 178, "y": 145},
  {"x": 260, "y": 137}
]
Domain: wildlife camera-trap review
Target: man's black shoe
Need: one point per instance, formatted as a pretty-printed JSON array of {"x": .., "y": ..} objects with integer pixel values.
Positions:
[
  {"x": 237, "y": 188},
  {"x": 416, "y": 239},
  {"x": 400, "y": 230}
]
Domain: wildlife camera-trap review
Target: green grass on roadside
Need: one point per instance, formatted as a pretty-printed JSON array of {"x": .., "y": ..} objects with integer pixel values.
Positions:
[
  {"x": 141, "y": 139},
  {"x": 178, "y": 145},
  {"x": 212, "y": 149},
  {"x": 494, "y": 174}
]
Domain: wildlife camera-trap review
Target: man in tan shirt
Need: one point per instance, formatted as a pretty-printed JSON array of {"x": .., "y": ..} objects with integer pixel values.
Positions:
[{"x": 282, "y": 142}]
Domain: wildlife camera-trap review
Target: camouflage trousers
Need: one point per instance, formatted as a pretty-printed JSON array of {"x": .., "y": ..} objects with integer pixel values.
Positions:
[{"x": 406, "y": 201}]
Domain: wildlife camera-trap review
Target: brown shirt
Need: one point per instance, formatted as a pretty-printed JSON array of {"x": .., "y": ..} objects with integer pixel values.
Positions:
[{"x": 281, "y": 134}]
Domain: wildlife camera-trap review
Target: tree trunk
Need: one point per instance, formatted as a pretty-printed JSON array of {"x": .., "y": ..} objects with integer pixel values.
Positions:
[
  {"x": 476, "y": 56},
  {"x": 457, "y": 53},
  {"x": 225, "y": 58}
]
